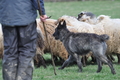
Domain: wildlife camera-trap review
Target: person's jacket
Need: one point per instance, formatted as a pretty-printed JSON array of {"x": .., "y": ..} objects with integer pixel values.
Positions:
[{"x": 18, "y": 12}]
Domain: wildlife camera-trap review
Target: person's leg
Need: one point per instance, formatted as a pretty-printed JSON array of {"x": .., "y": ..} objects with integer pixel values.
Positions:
[
  {"x": 10, "y": 57},
  {"x": 27, "y": 50}
]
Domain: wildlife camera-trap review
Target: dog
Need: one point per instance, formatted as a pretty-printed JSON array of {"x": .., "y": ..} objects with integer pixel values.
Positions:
[{"x": 82, "y": 43}]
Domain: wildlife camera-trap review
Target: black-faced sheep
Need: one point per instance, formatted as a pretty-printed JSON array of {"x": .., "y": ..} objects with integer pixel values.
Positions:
[{"x": 87, "y": 17}]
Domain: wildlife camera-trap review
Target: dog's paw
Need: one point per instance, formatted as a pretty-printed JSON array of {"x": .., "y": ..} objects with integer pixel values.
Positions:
[
  {"x": 113, "y": 72},
  {"x": 60, "y": 68},
  {"x": 80, "y": 71}
]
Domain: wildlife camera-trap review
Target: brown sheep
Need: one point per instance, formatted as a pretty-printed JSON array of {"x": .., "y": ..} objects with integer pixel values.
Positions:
[{"x": 56, "y": 47}]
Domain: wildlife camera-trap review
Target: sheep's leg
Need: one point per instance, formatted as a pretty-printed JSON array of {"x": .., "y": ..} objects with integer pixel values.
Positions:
[
  {"x": 78, "y": 60},
  {"x": 84, "y": 60},
  {"x": 40, "y": 61},
  {"x": 99, "y": 65},
  {"x": 118, "y": 56},
  {"x": 109, "y": 58},
  {"x": 55, "y": 58},
  {"x": 67, "y": 62},
  {"x": 93, "y": 59},
  {"x": 112, "y": 57}
]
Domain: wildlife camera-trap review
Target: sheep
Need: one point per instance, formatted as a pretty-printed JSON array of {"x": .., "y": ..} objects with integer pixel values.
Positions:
[
  {"x": 111, "y": 27},
  {"x": 79, "y": 27},
  {"x": 39, "y": 50},
  {"x": 38, "y": 59},
  {"x": 57, "y": 47},
  {"x": 1, "y": 42},
  {"x": 87, "y": 17},
  {"x": 73, "y": 25}
]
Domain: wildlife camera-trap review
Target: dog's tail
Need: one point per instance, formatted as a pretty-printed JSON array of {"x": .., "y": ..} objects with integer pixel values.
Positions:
[{"x": 104, "y": 37}]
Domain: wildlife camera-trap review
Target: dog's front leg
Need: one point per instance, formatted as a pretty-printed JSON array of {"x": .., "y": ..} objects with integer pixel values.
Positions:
[
  {"x": 67, "y": 62},
  {"x": 78, "y": 60}
]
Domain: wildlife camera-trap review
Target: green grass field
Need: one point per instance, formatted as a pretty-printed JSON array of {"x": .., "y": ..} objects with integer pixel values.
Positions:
[
  {"x": 58, "y": 9},
  {"x": 110, "y": 8},
  {"x": 71, "y": 72}
]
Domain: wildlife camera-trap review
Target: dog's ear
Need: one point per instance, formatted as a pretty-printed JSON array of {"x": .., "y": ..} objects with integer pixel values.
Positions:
[
  {"x": 64, "y": 24},
  {"x": 59, "y": 25}
]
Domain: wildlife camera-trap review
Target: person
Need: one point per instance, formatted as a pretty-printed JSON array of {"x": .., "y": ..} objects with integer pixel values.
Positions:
[{"x": 18, "y": 19}]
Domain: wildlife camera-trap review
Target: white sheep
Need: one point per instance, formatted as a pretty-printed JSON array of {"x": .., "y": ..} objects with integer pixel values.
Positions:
[
  {"x": 112, "y": 28},
  {"x": 73, "y": 22}
]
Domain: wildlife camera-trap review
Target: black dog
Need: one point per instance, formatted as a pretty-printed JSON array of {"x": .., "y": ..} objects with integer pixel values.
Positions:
[{"x": 82, "y": 43}]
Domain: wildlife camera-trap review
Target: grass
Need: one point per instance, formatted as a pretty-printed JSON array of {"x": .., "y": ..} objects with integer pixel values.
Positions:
[
  {"x": 56, "y": 10},
  {"x": 71, "y": 72}
]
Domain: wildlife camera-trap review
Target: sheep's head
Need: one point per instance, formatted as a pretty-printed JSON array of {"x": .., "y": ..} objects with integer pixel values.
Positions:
[
  {"x": 80, "y": 15},
  {"x": 66, "y": 18},
  {"x": 102, "y": 18},
  {"x": 87, "y": 17},
  {"x": 86, "y": 14}
]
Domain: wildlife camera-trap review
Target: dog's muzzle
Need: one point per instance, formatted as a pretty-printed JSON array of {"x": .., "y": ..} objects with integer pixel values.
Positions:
[{"x": 55, "y": 36}]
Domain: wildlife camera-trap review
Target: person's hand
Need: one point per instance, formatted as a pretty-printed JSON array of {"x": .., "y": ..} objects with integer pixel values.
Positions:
[{"x": 43, "y": 17}]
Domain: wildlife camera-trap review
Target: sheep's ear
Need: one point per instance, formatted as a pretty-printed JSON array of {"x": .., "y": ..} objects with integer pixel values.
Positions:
[
  {"x": 82, "y": 13},
  {"x": 100, "y": 18},
  {"x": 56, "y": 22}
]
